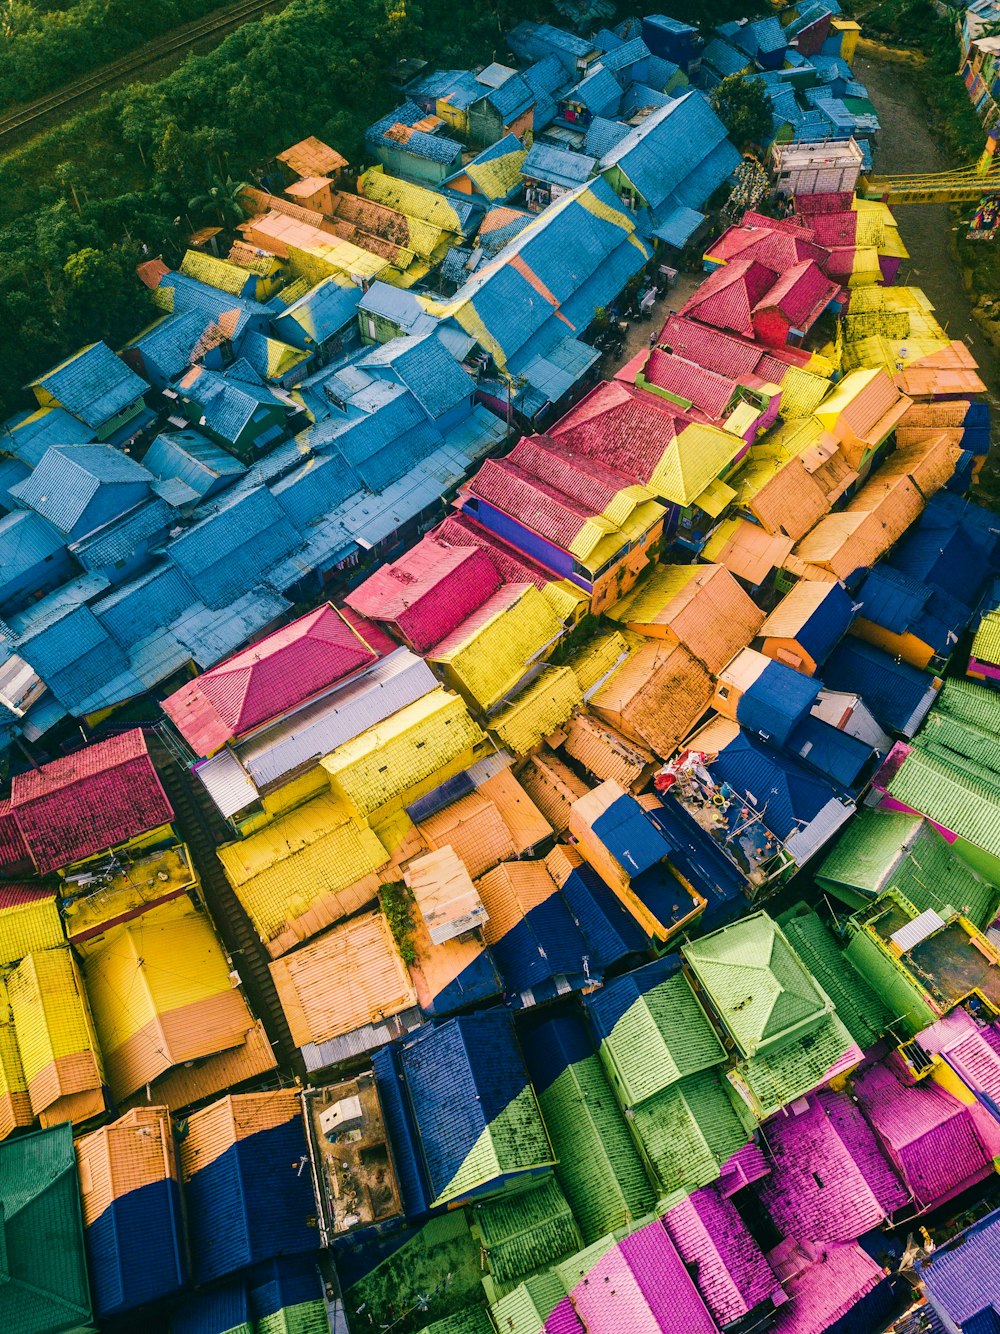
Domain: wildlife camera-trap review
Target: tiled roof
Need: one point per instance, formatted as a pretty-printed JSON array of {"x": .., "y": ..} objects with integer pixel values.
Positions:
[
  {"x": 728, "y": 297},
  {"x": 537, "y": 710},
  {"x": 271, "y": 677},
  {"x": 312, "y": 157},
  {"x": 96, "y": 799},
  {"x": 26, "y": 540},
  {"x": 865, "y": 1013},
  {"x": 667, "y": 147},
  {"x": 801, "y": 293},
  {"x": 398, "y": 131},
  {"x": 656, "y": 697},
  {"x": 93, "y": 384},
  {"x": 69, "y": 477},
  {"x": 826, "y": 1290},
  {"x": 689, "y": 1130},
  {"x": 520, "y": 1233},
  {"x": 962, "y": 1276},
  {"x": 427, "y": 368}
]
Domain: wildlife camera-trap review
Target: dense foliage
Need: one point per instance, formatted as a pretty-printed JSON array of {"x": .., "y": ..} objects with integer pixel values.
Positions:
[{"x": 745, "y": 110}]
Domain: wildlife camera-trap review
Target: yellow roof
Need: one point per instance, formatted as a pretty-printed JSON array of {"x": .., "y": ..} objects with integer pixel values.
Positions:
[
  {"x": 594, "y": 662},
  {"x": 32, "y": 925},
  {"x": 413, "y": 200},
  {"x": 696, "y": 457},
  {"x": 716, "y": 497},
  {"x": 567, "y": 601},
  {"x": 403, "y": 751},
  {"x": 496, "y": 177},
  {"x": 491, "y": 650},
  {"x": 184, "y": 1085},
  {"x": 350, "y": 976},
  {"x": 802, "y": 392},
  {"x": 648, "y": 602},
  {"x": 12, "y": 1078},
  {"x": 538, "y": 710},
  {"x": 218, "y": 273},
  {"x": 986, "y": 645},
  {"x": 49, "y": 1005}
]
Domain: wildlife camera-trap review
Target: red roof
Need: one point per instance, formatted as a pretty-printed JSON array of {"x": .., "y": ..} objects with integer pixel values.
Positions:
[
  {"x": 96, "y": 799},
  {"x": 704, "y": 388},
  {"x": 267, "y": 679},
  {"x": 429, "y": 591},
  {"x": 725, "y": 353},
  {"x": 513, "y": 566},
  {"x": 791, "y": 225},
  {"x": 836, "y": 229},
  {"x": 801, "y": 294},
  {"x": 17, "y": 895},
  {"x": 727, "y": 296},
  {"x": 540, "y": 508},
  {"x": 810, "y": 206},
  {"x": 14, "y": 856},
  {"x": 627, "y": 429},
  {"x": 778, "y": 248},
  {"x": 587, "y": 480},
  {"x": 373, "y": 635}
]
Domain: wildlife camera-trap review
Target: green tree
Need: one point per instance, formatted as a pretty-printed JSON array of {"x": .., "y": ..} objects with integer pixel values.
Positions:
[{"x": 745, "y": 110}]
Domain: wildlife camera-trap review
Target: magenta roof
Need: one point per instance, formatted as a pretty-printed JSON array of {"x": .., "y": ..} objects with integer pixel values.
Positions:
[
  {"x": 626, "y": 428},
  {"x": 14, "y": 856},
  {"x": 824, "y": 1291},
  {"x": 262, "y": 682},
  {"x": 802, "y": 293},
  {"x": 972, "y": 1050},
  {"x": 727, "y": 297},
  {"x": 725, "y": 353},
  {"x": 733, "y": 1275},
  {"x": 931, "y": 1137},
  {"x": 641, "y": 1286},
  {"x": 811, "y": 205},
  {"x": 429, "y": 591},
  {"x": 745, "y": 1166},
  {"x": 778, "y": 247},
  {"x": 706, "y": 389},
  {"x": 90, "y": 801},
  {"x": 514, "y": 567},
  {"x": 830, "y": 1181}
]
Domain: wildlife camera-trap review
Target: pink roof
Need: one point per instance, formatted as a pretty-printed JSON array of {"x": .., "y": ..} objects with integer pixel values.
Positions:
[
  {"x": 780, "y": 248},
  {"x": 930, "y": 1136},
  {"x": 801, "y": 294},
  {"x": 830, "y": 1181},
  {"x": 706, "y": 389},
  {"x": 791, "y": 225},
  {"x": 14, "y": 856},
  {"x": 837, "y": 229},
  {"x": 972, "y": 1050},
  {"x": 641, "y": 1286},
  {"x": 714, "y": 1242},
  {"x": 262, "y": 682},
  {"x": 429, "y": 591},
  {"x": 529, "y": 501},
  {"x": 810, "y": 206},
  {"x": 628, "y": 429},
  {"x": 17, "y": 895},
  {"x": 90, "y": 801},
  {"x": 824, "y": 1291},
  {"x": 725, "y": 353},
  {"x": 502, "y": 600},
  {"x": 514, "y": 567},
  {"x": 727, "y": 297},
  {"x": 373, "y": 635}
]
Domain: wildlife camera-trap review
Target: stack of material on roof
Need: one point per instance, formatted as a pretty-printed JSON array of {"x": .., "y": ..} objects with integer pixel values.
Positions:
[
  {"x": 598, "y": 1164},
  {"x": 629, "y": 851},
  {"x": 29, "y": 920},
  {"x": 462, "y": 1115},
  {"x": 344, "y": 980},
  {"x": 246, "y": 1196},
  {"x": 304, "y": 871},
  {"x": 665, "y": 1062},
  {"x": 790, "y": 1040},
  {"x": 45, "y": 1287},
  {"x": 277, "y": 674},
  {"x": 55, "y": 1035},
  {"x": 96, "y": 799},
  {"x": 162, "y": 996},
  {"x": 131, "y": 1211},
  {"x": 937, "y": 1145}
]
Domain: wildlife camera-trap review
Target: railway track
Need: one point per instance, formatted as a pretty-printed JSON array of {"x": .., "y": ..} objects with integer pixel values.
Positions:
[{"x": 108, "y": 76}]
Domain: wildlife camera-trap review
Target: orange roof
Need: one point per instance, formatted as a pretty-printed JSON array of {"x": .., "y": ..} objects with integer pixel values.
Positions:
[
  {"x": 877, "y": 517},
  {"x": 552, "y": 786},
  {"x": 930, "y": 462},
  {"x": 312, "y": 157},
  {"x": 187, "y": 1084},
  {"x": 656, "y": 697},
  {"x": 801, "y": 492},
  {"x": 527, "y": 825},
  {"x": 509, "y": 892},
  {"x": 151, "y": 272},
  {"x": 474, "y": 828},
  {"x": 746, "y": 550},
  {"x": 604, "y": 753},
  {"x": 308, "y": 186}
]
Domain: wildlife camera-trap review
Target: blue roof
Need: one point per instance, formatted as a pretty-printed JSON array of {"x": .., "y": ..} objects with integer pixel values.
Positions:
[
  {"x": 213, "y": 1311},
  {"x": 552, "y": 1047},
  {"x": 494, "y": 239},
  {"x": 69, "y": 477},
  {"x": 437, "y": 381},
  {"x": 827, "y": 624},
  {"x": 640, "y": 97},
  {"x": 699, "y": 859},
  {"x": 170, "y": 342},
  {"x": 192, "y": 294},
  {"x": 724, "y": 57},
  {"x": 401, "y": 1130},
  {"x": 600, "y": 92},
  {"x": 626, "y": 54},
  {"x": 510, "y": 98},
  {"x": 900, "y": 603},
  {"x": 196, "y": 460},
  {"x": 228, "y": 404},
  {"x": 557, "y": 165},
  {"x": 951, "y": 560},
  {"x": 669, "y": 145},
  {"x": 676, "y": 226},
  {"x": 603, "y": 134},
  {"x": 946, "y": 511},
  {"x": 630, "y": 836},
  {"x": 26, "y": 540},
  {"x": 544, "y": 945},
  {"x": 895, "y": 692},
  {"x": 962, "y": 1276},
  {"x": 397, "y": 305},
  {"x": 458, "y": 87},
  {"x": 700, "y": 184},
  {"x": 115, "y": 542},
  {"x": 30, "y": 434},
  {"x": 531, "y": 40},
  {"x": 135, "y": 1249},
  {"x": 12, "y": 473},
  {"x": 433, "y": 147},
  {"x": 287, "y": 1280},
  {"x": 316, "y": 489},
  {"x": 75, "y": 656},
  {"x": 776, "y": 702},
  {"x": 837, "y": 755},
  {"x": 763, "y": 37},
  {"x": 659, "y": 73},
  {"x": 606, "y": 40},
  {"x": 145, "y": 605},
  {"x": 546, "y": 75},
  {"x": 609, "y": 929},
  {"x": 93, "y": 385},
  {"x": 614, "y": 1000},
  {"x": 787, "y": 795},
  {"x": 231, "y": 550}
]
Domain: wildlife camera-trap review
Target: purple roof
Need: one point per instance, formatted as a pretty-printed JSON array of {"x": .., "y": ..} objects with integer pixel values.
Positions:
[
  {"x": 563, "y": 1320},
  {"x": 733, "y": 1275},
  {"x": 824, "y": 1291},
  {"x": 830, "y": 1181},
  {"x": 970, "y": 1049},
  {"x": 641, "y": 1286},
  {"x": 744, "y": 1167},
  {"x": 962, "y": 1278},
  {"x": 931, "y": 1138}
]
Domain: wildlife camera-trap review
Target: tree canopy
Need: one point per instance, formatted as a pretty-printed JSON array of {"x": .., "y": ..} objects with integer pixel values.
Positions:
[{"x": 745, "y": 110}]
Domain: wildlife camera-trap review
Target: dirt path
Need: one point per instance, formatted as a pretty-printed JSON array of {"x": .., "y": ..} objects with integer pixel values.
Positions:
[{"x": 906, "y": 144}]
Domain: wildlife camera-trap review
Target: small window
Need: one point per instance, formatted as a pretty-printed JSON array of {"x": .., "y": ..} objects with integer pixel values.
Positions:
[{"x": 723, "y": 692}]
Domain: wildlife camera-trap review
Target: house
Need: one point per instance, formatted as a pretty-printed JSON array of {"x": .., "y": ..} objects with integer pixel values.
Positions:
[
  {"x": 465, "y": 1077},
  {"x": 744, "y": 406},
  {"x": 41, "y": 1207},
  {"x": 806, "y": 626},
  {"x": 33, "y": 558},
  {"x": 312, "y": 157},
  {"x": 793, "y": 479},
  {"x": 98, "y": 389},
  {"x": 792, "y": 1041},
  {"x": 494, "y": 175},
  {"x": 233, "y": 278},
  {"x": 728, "y": 297},
  {"x": 764, "y": 40},
  {"x": 910, "y": 620},
  {"x": 101, "y": 797},
  {"x": 535, "y": 41},
  {"x": 777, "y": 245},
  {"x": 789, "y": 310},
  {"x": 655, "y": 697},
  {"x": 240, "y": 414},
  {"x": 27, "y": 435},
  {"x": 386, "y": 312},
  {"x": 957, "y": 1276},
  {"x": 191, "y": 458},
  {"x": 407, "y": 144},
  {"x": 77, "y": 488},
  {"x": 898, "y": 695},
  {"x": 130, "y": 1195},
  {"x": 549, "y": 173},
  {"x": 167, "y": 348}
]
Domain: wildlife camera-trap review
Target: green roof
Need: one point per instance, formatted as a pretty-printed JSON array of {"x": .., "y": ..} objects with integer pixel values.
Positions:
[
  {"x": 986, "y": 645},
  {"x": 976, "y": 704},
  {"x": 474, "y": 1320},
  {"x": 526, "y": 1309},
  {"x": 759, "y": 986},
  {"x": 598, "y": 1165},
  {"x": 776, "y": 1078},
  {"x": 440, "y": 1262},
  {"x": 688, "y": 1131},
  {"x": 968, "y": 806},
  {"x": 962, "y": 740},
  {"x": 302, "y": 1318},
  {"x": 526, "y": 1231},
  {"x": 43, "y": 1269},
  {"x": 864, "y": 1013},
  {"x": 868, "y": 850},
  {"x": 662, "y": 1036}
]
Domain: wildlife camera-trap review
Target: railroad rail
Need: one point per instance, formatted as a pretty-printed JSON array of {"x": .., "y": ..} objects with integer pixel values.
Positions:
[{"x": 112, "y": 74}]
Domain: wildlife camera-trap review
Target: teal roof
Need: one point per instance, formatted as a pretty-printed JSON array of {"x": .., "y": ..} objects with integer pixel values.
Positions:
[
  {"x": 863, "y": 1011},
  {"x": 688, "y": 1131},
  {"x": 759, "y": 987},
  {"x": 526, "y": 1231},
  {"x": 662, "y": 1036},
  {"x": 598, "y": 1166},
  {"x": 43, "y": 1271}
]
